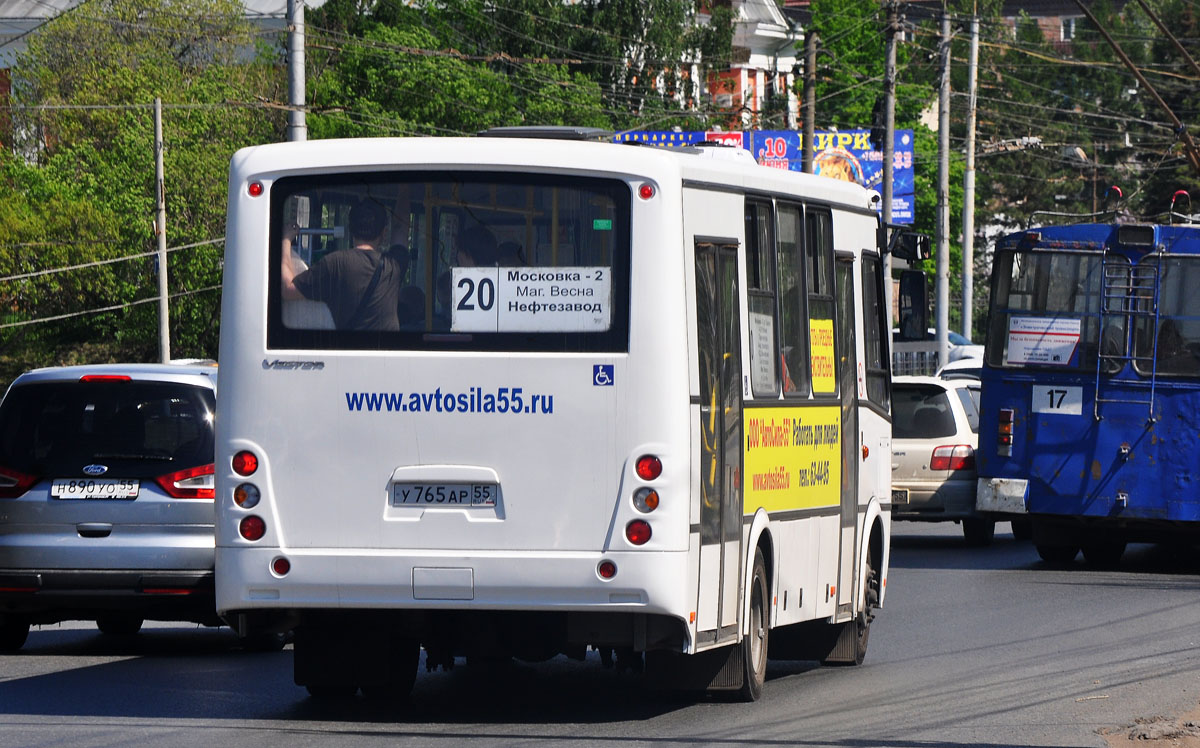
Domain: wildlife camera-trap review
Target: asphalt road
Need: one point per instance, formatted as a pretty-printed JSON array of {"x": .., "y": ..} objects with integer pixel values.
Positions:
[{"x": 979, "y": 647}]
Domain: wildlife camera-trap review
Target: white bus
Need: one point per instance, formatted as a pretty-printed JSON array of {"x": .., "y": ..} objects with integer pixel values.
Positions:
[{"x": 631, "y": 399}]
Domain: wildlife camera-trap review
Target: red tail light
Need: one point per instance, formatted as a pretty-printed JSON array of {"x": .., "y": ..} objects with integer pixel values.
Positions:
[
  {"x": 956, "y": 457},
  {"x": 252, "y": 528},
  {"x": 648, "y": 467},
  {"x": 245, "y": 463},
  {"x": 192, "y": 483},
  {"x": 638, "y": 532},
  {"x": 14, "y": 483},
  {"x": 105, "y": 378}
]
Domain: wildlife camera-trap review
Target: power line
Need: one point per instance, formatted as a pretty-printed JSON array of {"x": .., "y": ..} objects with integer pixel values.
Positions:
[
  {"x": 113, "y": 308},
  {"x": 52, "y": 271}
]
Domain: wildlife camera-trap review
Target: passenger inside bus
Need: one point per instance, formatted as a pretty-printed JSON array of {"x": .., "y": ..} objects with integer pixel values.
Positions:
[
  {"x": 360, "y": 284},
  {"x": 476, "y": 248}
]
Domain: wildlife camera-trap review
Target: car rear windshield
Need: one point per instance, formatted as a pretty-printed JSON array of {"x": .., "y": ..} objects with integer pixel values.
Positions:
[
  {"x": 921, "y": 412},
  {"x": 449, "y": 261},
  {"x": 137, "y": 429}
]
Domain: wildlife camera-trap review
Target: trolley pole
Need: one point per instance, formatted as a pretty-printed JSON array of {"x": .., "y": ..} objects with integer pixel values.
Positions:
[
  {"x": 297, "y": 126},
  {"x": 968, "y": 216},
  {"x": 160, "y": 229},
  {"x": 943, "y": 196}
]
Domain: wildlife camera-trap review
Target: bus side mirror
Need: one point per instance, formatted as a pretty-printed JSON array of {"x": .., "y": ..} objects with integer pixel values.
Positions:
[{"x": 909, "y": 245}]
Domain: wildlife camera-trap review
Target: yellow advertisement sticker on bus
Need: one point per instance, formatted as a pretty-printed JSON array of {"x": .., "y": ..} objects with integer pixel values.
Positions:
[
  {"x": 824, "y": 366},
  {"x": 792, "y": 458}
]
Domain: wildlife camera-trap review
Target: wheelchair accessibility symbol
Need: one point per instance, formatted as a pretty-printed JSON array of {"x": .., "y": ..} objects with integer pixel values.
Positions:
[{"x": 602, "y": 375}]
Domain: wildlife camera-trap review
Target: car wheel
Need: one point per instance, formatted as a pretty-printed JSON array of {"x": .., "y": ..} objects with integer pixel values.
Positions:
[
  {"x": 13, "y": 633},
  {"x": 1022, "y": 529},
  {"x": 119, "y": 625},
  {"x": 754, "y": 644},
  {"x": 979, "y": 532},
  {"x": 1105, "y": 553},
  {"x": 1057, "y": 554}
]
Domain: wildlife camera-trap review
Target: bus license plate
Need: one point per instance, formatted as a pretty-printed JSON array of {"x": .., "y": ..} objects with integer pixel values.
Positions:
[
  {"x": 444, "y": 494},
  {"x": 899, "y": 495},
  {"x": 94, "y": 488}
]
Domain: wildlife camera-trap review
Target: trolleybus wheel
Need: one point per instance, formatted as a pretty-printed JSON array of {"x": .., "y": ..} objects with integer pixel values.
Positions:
[
  {"x": 1104, "y": 553},
  {"x": 1057, "y": 554},
  {"x": 754, "y": 644}
]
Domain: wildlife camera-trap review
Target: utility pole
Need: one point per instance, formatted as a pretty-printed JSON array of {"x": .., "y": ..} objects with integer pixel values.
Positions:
[
  {"x": 810, "y": 99},
  {"x": 943, "y": 196},
  {"x": 968, "y": 217},
  {"x": 297, "y": 126},
  {"x": 889, "y": 142},
  {"x": 1189, "y": 145},
  {"x": 160, "y": 229}
]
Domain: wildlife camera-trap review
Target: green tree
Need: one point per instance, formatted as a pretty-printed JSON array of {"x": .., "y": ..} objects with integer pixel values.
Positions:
[{"x": 84, "y": 180}]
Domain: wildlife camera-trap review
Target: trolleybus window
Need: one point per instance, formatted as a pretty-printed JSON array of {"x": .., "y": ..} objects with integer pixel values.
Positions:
[
  {"x": 453, "y": 261},
  {"x": 1046, "y": 310},
  {"x": 1178, "y": 349}
]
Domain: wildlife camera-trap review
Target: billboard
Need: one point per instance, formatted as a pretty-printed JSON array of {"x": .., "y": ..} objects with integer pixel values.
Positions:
[{"x": 846, "y": 154}]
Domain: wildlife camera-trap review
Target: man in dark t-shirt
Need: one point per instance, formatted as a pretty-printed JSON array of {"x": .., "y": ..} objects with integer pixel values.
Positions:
[{"x": 361, "y": 285}]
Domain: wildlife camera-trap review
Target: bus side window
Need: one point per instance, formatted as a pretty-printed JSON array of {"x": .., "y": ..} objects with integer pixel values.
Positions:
[
  {"x": 760, "y": 280},
  {"x": 818, "y": 265},
  {"x": 793, "y": 333}
]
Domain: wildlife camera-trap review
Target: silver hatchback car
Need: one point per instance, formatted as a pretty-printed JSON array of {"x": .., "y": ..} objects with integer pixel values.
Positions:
[
  {"x": 106, "y": 497},
  {"x": 935, "y": 424}
]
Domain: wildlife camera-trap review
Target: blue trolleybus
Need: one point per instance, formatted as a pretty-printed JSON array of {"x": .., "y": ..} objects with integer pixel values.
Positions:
[{"x": 1090, "y": 413}]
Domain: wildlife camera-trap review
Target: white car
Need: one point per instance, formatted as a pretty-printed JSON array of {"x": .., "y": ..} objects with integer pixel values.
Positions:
[{"x": 935, "y": 425}]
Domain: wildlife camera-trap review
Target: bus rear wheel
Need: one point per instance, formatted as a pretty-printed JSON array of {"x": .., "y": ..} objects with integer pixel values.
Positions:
[
  {"x": 14, "y": 630},
  {"x": 1057, "y": 554},
  {"x": 978, "y": 532},
  {"x": 1104, "y": 553},
  {"x": 754, "y": 644}
]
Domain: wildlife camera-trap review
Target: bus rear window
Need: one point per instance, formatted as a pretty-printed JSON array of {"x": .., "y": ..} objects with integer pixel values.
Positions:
[{"x": 449, "y": 260}]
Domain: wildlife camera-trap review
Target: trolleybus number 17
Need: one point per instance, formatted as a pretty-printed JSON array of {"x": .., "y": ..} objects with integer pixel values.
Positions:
[{"x": 1050, "y": 399}]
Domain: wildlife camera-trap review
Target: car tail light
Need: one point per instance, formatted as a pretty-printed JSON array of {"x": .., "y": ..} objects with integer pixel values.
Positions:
[
  {"x": 252, "y": 528},
  {"x": 14, "y": 483},
  {"x": 191, "y": 483},
  {"x": 105, "y": 378},
  {"x": 638, "y": 532},
  {"x": 648, "y": 467},
  {"x": 1004, "y": 439},
  {"x": 955, "y": 457},
  {"x": 245, "y": 463}
]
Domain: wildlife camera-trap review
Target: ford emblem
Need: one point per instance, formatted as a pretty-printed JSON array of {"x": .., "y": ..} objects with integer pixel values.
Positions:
[{"x": 95, "y": 469}]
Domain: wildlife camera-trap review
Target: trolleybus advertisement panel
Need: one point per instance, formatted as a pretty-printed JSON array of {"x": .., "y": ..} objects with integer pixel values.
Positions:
[
  {"x": 793, "y": 458},
  {"x": 1047, "y": 341}
]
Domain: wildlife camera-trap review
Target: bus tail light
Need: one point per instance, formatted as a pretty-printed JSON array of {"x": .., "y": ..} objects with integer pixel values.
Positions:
[
  {"x": 281, "y": 566},
  {"x": 189, "y": 483},
  {"x": 14, "y": 483},
  {"x": 606, "y": 569},
  {"x": 245, "y": 463},
  {"x": 955, "y": 457},
  {"x": 648, "y": 467},
  {"x": 252, "y": 528},
  {"x": 1004, "y": 439},
  {"x": 645, "y": 499},
  {"x": 246, "y": 495},
  {"x": 638, "y": 532}
]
